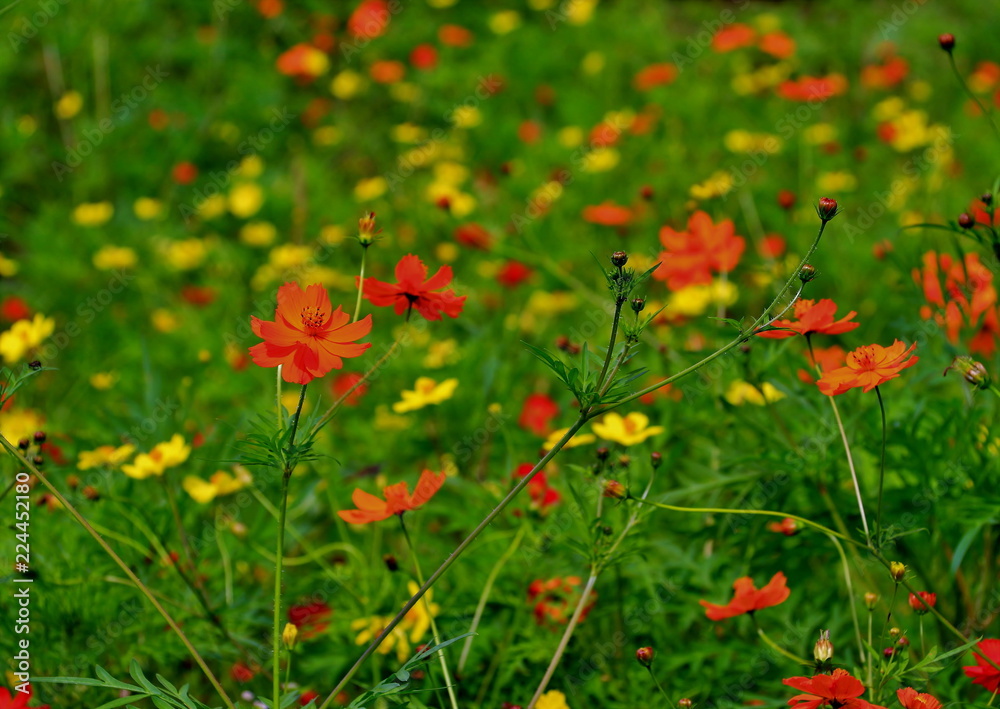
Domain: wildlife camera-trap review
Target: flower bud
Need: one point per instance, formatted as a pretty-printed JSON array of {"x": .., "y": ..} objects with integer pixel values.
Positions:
[
  {"x": 289, "y": 634},
  {"x": 897, "y": 571},
  {"x": 684, "y": 703},
  {"x": 903, "y": 641},
  {"x": 613, "y": 488},
  {"x": 870, "y": 600},
  {"x": 638, "y": 304},
  {"x": 39, "y": 437},
  {"x": 24, "y": 444},
  {"x": 656, "y": 459},
  {"x": 619, "y": 258},
  {"x": 987, "y": 198},
  {"x": 923, "y": 601},
  {"x": 807, "y": 273},
  {"x": 889, "y": 652},
  {"x": 602, "y": 453},
  {"x": 895, "y": 632},
  {"x": 966, "y": 221},
  {"x": 73, "y": 481},
  {"x": 35, "y": 365},
  {"x": 390, "y": 562},
  {"x": 974, "y": 372},
  {"x": 91, "y": 493},
  {"x": 645, "y": 656},
  {"x": 947, "y": 42},
  {"x": 823, "y": 649},
  {"x": 786, "y": 199},
  {"x": 38, "y": 461},
  {"x": 646, "y": 192},
  {"x": 827, "y": 208},
  {"x": 366, "y": 229},
  {"x": 239, "y": 529},
  {"x": 624, "y": 461}
]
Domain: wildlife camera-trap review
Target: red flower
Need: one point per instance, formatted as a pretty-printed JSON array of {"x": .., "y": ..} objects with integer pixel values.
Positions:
[
  {"x": 241, "y": 673},
  {"x": 424, "y": 57},
  {"x": 397, "y": 499},
  {"x": 691, "y": 256},
  {"x": 537, "y": 414},
  {"x": 655, "y": 75},
  {"x": 812, "y": 317},
  {"x": 827, "y": 357},
  {"x": 198, "y": 295},
  {"x": 735, "y": 36},
  {"x": 343, "y": 383},
  {"x": 13, "y": 308},
  {"x": 19, "y": 700},
  {"x": 886, "y": 75},
  {"x": 923, "y": 601},
  {"x": 513, "y": 273},
  {"x": 777, "y": 44},
  {"x": 867, "y": 367},
  {"x": 387, "y": 71},
  {"x": 542, "y": 496},
  {"x": 966, "y": 299},
  {"x": 748, "y": 599},
  {"x": 839, "y": 690},
  {"x": 455, "y": 36},
  {"x": 607, "y": 214},
  {"x": 912, "y": 699},
  {"x": 474, "y": 236},
  {"x": 554, "y": 600},
  {"x": 303, "y": 61},
  {"x": 772, "y": 246},
  {"x": 812, "y": 88},
  {"x": 788, "y": 526},
  {"x": 369, "y": 19},
  {"x": 308, "y": 696},
  {"x": 311, "y": 619},
  {"x": 983, "y": 673},
  {"x": 414, "y": 290},
  {"x": 305, "y": 337},
  {"x": 184, "y": 173}
]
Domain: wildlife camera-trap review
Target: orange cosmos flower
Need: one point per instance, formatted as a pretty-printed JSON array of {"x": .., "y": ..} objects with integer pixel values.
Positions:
[
  {"x": 967, "y": 298},
  {"x": 413, "y": 290},
  {"x": 812, "y": 317},
  {"x": 788, "y": 526},
  {"x": 839, "y": 689},
  {"x": 397, "y": 499},
  {"x": 777, "y": 44},
  {"x": 885, "y": 75},
  {"x": 827, "y": 358},
  {"x": 923, "y": 601},
  {"x": 370, "y": 19},
  {"x": 303, "y": 62},
  {"x": 983, "y": 673},
  {"x": 306, "y": 337},
  {"x": 748, "y": 599},
  {"x": 813, "y": 88},
  {"x": 654, "y": 75},
  {"x": 912, "y": 699},
  {"x": 735, "y": 36},
  {"x": 607, "y": 214},
  {"x": 691, "y": 256},
  {"x": 867, "y": 367}
]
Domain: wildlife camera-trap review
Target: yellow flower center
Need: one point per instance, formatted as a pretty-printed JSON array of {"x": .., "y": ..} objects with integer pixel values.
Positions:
[{"x": 312, "y": 316}]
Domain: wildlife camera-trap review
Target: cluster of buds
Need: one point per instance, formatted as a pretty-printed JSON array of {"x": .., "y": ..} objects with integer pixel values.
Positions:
[
  {"x": 31, "y": 448},
  {"x": 972, "y": 371}
]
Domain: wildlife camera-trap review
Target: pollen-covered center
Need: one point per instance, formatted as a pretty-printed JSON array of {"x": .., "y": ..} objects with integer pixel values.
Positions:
[{"x": 312, "y": 316}]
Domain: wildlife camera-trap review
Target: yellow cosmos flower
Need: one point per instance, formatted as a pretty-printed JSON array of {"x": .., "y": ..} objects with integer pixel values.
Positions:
[
  {"x": 103, "y": 381},
  {"x": 593, "y": 63},
  {"x": 692, "y": 301},
  {"x": 418, "y": 620},
  {"x": 626, "y": 430},
  {"x": 165, "y": 455},
  {"x": 24, "y": 336},
  {"x": 600, "y": 160},
  {"x": 93, "y": 213},
  {"x": 245, "y": 199},
  {"x": 553, "y": 699},
  {"x": 250, "y": 167},
  {"x": 15, "y": 425},
  {"x": 424, "y": 393},
  {"x": 715, "y": 186},
  {"x": 8, "y": 267},
  {"x": 186, "y": 254},
  {"x": 504, "y": 22},
  {"x": 369, "y": 628},
  {"x": 372, "y": 188},
  {"x": 109, "y": 258},
  {"x": 212, "y": 207},
  {"x": 466, "y": 117},
  {"x": 221, "y": 483},
  {"x": 147, "y": 208},
  {"x": 580, "y": 12},
  {"x": 743, "y": 141},
  {"x": 164, "y": 320},
  {"x": 580, "y": 439},
  {"x": 740, "y": 392},
  {"x": 258, "y": 233},
  {"x": 69, "y": 104},
  {"x": 105, "y": 455},
  {"x": 347, "y": 84},
  {"x": 570, "y": 136}
]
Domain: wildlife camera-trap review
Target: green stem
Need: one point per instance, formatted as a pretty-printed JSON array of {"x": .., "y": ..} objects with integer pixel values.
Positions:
[
  {"x": 449, "y": 684},
  {"x": 965, "y": 86},
  {"x": 881, "y": 473},
  {"x": 361, "y": 284},
  {"x": 81, "y": 520},
  {"x": 326, "y": 417},
  {"x": 453, "y": 557},
  {"x": 286, "y": 475},
  {"x": 850, "y": 597},
  {"x": 611, "y": 346},
  {"x": 776, "y": 647},
  {"x": 660, "y": 687}
]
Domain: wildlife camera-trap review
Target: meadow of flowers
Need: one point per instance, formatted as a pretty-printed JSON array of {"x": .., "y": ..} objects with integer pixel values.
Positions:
[{"x": 537, "y": 354}]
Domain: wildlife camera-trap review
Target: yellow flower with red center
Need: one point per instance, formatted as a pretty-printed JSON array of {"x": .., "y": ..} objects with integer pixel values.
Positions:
[
  {"x": 425, "y": 392},
  {"x": 626, "y": 430},
  {"x": 164, "y": 455}
]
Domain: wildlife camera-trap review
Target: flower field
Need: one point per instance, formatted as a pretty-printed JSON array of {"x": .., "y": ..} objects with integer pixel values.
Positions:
[{"x": 516, "y": 354}]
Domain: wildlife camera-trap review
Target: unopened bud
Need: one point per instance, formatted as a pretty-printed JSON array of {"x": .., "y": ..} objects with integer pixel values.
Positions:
[
  {"x": 24, "y": 444},
  {"x": 91, "y": 493},
  {"x": 35, "y": 365},
  {"x": 966, "y": 220},
  {"x": 390, "y": 562},
  {"x": 602, "y": 453},
  {"x": 807, "y": 273},
  {"x": 638, "y": 304},
  {"x": 613, "y": 488},
  {"x": 656, "y": 459},
  {"x": 895, "y": 632},
  {"x": 823, "y": 649},
  {"x": 646, "y": 192},
  {"x": 645, "y": 656},
  {"x": 624, "y": 461},
  {"x": 870, "y": 600},
  {"x": 289, "y": 634},
  {"x": 947, "y": 42},
  {"x": 974, "y": 372},
  {"x": 684, "y": 703},
  {"x": 367, "y": 232},
  {"x": 827, "y": 208},
  {"x": 619, "y": 258},
  {"x": 39, "y": 437},
  {"x": 786, "y": 199},
  {"x": 38, "y": 461},
  {"x": 897, "y": 571},
  {"x": 987, "y": 198}
]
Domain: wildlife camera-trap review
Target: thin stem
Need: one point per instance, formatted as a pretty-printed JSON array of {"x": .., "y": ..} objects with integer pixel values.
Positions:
[
  {"x": 611, "y": 345},
  {"x": 965, "y": 86},
  {"x": 881, "y": 473},
  {"x": 739, "y": 340},
  {"x": 124, "y": 567},
  {"x": 286, "y": 475},
  {"x": 776, "y": 647},
  {"x": 850, "y": 596},
  {"x": 766, "y": 513},
  {"x": 660, "y": 686},
  {"x": 361, "y": 284},
  {"x": 847, "y": 446},
  {"x": 484, "y": 596},
  {"x": 325, "y": 418},
  {"x": 449, "y": 684},
  {"x": 453, "y": 557},
  {"x": 888, "y": 616},
  {"x": 278, "y": 409},
  {"x": 564, "y": 641}
]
